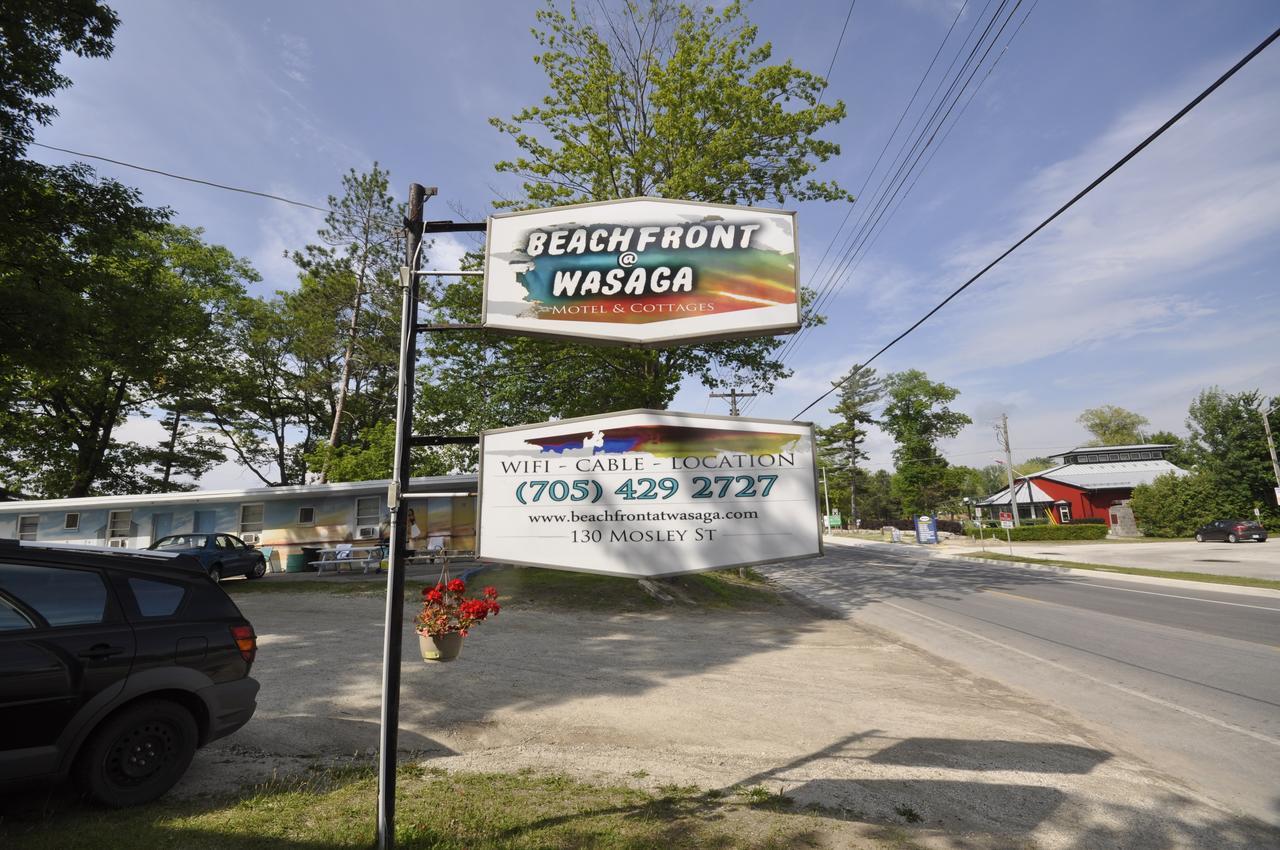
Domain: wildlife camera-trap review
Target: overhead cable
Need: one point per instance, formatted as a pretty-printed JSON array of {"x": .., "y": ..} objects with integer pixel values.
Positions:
[{"x": 1178, "y": 116}]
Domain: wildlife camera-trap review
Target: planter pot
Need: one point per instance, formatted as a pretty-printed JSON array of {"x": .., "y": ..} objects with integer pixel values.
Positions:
[{"x": 440, "y": 647}]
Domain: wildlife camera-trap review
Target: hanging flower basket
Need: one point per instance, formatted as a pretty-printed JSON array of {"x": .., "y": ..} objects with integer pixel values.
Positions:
[
  {"x": 447, "y": 615},
  {"x": 440, "y": 647}
]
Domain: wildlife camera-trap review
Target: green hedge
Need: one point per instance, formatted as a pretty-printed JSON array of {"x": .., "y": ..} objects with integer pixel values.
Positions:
[{"x": 1057, "y": 532}]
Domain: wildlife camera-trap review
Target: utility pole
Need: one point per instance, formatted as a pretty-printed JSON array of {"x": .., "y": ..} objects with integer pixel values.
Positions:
[
  {"x": 1271, "y": 446},
  {"x": 1002, "y": 434},
  {"x": 825, "y": 492},
  {"x": 399, "y": 508},
  {"x": 733, "y": 395},
  {"x": 853, "y": 502}
]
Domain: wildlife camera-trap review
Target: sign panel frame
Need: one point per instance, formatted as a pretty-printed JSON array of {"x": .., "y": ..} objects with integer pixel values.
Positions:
[
  {"x": 581, "y": 423},
  {"x": 690, "y": 329}
]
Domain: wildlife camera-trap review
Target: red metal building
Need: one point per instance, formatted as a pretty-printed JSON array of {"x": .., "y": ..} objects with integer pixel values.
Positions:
[{"x": 1086, "y": 484}]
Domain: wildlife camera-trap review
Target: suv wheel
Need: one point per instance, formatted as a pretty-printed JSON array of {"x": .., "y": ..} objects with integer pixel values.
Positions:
[
  {"x": 1231, "y": 538},
  {"x": 259, "y": 569},
  {"x": 1199, "y": 537},
  {"x": 138, "y": 754},
  {"x": 215, "y": 573}
]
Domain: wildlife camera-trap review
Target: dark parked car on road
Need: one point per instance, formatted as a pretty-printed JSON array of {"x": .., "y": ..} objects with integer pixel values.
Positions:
[
  {"x": 221, "y": 555},
  {"x": 114, "y": 668},
  {"x": 1232, "y": 531}
]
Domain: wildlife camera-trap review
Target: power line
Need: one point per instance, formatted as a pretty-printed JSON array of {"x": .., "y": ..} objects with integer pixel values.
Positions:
[
  {"x": 1231, "y": 72},
  {"x": 170, "y": 174},
  {"x": 911, "y": 152},
  {"x": 889, "y": 194},
  {"x": 826, "y": 80},
  {"x": 888, "y": 141},
  {"x": 892, "y": 200},
  {"x": 201, "y": 182}
]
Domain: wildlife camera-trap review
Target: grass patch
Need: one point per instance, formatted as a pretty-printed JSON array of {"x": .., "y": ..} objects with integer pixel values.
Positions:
[
  {"x": 442, "y": 812},
  {"x": 1207, "y": 578},
  {"x": 559, "y": 589}
]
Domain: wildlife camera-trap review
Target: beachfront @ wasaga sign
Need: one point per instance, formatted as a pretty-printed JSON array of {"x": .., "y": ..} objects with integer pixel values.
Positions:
[
  {"x": 647, "y": 493},
  {"x": 644, "y": 271}
]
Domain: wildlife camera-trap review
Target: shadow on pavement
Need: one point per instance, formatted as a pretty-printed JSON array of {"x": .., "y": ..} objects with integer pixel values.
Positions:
[{"x": 1029, "y": 756}]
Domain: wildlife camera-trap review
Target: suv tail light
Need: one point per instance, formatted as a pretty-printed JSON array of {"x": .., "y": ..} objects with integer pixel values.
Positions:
[{"x": 246, "y": 641}]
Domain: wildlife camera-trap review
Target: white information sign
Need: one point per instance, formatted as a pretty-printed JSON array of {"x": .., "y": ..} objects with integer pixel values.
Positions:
[
  {"x": 643, "y": 271},
  {"x": 649, "y": 493}
]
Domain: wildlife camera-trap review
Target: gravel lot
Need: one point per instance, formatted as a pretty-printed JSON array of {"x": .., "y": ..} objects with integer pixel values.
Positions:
[{"x": 822, "y": 710}]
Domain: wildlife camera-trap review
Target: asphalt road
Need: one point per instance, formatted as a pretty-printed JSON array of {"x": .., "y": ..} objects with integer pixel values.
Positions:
[
  {"x": 1256, "y": 560},
  {"x": 1187, "y": 679}
]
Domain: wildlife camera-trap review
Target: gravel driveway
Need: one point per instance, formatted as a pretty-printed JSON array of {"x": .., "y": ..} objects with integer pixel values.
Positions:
[{"x": 825, "y": 711}]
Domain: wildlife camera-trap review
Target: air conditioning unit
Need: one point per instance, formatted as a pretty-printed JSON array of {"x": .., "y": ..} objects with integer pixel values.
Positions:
[
  {"x": 251, "y": 537},
  {"x": 118, "y": 542},
  {"x": 367, "y": 532}
]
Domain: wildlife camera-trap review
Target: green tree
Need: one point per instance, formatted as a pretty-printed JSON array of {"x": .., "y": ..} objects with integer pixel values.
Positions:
[
  {"x": 1176, "y": 505},
  {"x": 917, "y": 416},
  {"x": 1178, "y": 454},
  {"x": 654, "y": 99},
  {"x": 258, "y": 402},
  {"x": 348, "y": 306},
  {"x": 1227, "y": 443},
  {"x": 840, "y": 444},
  {"x": 34, "y": 35},
  {"x": 1112, "y": 426},
  {"x": 146, "y": 317}
]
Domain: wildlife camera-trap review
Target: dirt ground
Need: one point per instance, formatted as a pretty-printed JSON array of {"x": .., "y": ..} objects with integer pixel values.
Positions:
[{"x": 826, "y": 712}]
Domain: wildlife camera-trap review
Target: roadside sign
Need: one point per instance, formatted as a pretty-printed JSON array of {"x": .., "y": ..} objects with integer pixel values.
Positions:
[
  {"x": 1278, "y": 495},
  {"x": 648, "y": 493},
  {"x": 1006, "y": 519},
  {"x": 833, "y": 520},
  {"x": 643, "y": 272},
  {"x": 926, "y": 529}
]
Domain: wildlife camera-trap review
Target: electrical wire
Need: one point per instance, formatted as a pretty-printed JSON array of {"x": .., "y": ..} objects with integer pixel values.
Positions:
[
  {"x": 1120, "y": 163},
  {"x": 200, "y": 181},
  {"x": 884, "y": 198}
]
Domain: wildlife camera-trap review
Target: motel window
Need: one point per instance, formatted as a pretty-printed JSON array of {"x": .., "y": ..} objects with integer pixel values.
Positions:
[
  {"x": 27, "y": 526},
  {"x": 118, "y": 524},
  {"x": 71, "y": 522},
  {"x": 1064, "y": 513},
  {"x": 368, "y": 511},
  {"x": 1126, "y": 456},
  {"x": 251, "y": 517},
  {"x": 306, "y": 516}
]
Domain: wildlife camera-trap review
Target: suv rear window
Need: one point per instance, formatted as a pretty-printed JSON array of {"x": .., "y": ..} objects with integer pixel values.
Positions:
[
  {"x": 63, "y": 597},
  {"x": 156, "y": 598}
]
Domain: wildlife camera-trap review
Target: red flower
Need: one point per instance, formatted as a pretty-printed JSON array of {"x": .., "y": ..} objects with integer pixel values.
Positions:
[{"x": 446, "y": 611}]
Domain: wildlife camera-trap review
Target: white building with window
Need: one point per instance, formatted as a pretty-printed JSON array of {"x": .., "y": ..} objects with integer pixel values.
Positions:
[{"x": 283, "y": 519}]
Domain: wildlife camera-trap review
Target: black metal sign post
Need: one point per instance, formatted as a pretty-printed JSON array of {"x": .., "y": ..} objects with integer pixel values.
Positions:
[{"x": 392, "y": 641}]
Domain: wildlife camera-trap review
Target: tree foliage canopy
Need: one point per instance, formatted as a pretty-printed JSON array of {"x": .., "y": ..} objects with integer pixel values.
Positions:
[
  {"x": 653, "y": 99},
  {"x": 1113, "y": 426}
]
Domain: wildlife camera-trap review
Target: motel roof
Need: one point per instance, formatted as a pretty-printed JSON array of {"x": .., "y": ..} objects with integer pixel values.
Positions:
[{"x": 436, "y": 484}]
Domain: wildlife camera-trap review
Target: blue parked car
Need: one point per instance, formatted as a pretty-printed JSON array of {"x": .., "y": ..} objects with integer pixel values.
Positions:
[{"x": 220, "y": 554}]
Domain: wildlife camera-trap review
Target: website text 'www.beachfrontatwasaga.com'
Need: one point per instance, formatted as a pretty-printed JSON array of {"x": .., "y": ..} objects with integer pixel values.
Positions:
[{"x": 605, "y": 516}]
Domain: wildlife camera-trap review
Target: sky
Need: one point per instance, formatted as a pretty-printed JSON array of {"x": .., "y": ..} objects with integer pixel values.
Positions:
[{"x": 1160, "y": 283}]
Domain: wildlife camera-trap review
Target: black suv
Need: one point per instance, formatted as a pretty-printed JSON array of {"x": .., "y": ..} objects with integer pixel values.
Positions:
[{"x": 115, "y": 667}]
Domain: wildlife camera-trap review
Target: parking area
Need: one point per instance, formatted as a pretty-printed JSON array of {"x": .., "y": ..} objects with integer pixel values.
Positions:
[{"x": 1255, "y": 560}]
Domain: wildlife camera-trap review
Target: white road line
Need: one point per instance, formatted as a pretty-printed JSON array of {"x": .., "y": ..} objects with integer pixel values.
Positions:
[
  {"x": 1176, "y": 596},
  {"x": 1121, "y": 688}
]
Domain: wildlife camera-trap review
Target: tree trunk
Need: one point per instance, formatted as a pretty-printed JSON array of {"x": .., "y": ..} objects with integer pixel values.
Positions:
[
  {"x": 173, "y": 448},
  {"x": 89, "y": 462},
  {"x": 347, "y": 355}
]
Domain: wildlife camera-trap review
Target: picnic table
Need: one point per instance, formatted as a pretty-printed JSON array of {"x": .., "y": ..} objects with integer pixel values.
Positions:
[{"x": 367, "y": 558}]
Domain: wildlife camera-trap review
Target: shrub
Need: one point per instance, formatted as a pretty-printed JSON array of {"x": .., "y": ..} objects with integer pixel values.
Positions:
[
  {"x": 1058, "y": 532},
  {"x": 1176, "y": 505}
]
